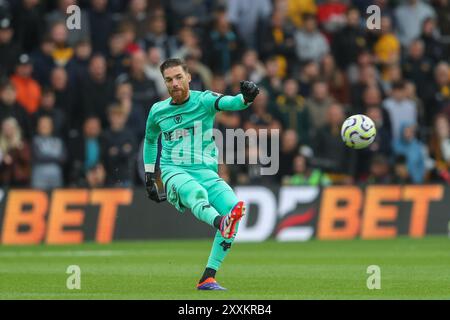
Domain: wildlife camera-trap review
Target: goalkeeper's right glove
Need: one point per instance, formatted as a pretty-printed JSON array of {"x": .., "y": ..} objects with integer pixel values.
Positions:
[{"x": 152, "y": 188}]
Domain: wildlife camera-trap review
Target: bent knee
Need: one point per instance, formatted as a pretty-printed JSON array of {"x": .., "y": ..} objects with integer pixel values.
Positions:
[{"x": 193, "y": 195}]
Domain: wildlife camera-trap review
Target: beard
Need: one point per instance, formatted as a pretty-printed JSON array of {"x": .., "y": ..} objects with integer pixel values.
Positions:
[{"x": 179, "y": 94}]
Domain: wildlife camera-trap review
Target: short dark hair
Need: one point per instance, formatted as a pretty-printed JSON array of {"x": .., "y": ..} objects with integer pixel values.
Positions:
[
  {"x": 173, "y": 62},
  {"x": 398, "y": 85}
]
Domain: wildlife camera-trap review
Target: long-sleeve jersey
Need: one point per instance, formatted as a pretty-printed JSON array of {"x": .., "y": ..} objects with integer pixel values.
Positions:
[{"x": 187, "y": 130}]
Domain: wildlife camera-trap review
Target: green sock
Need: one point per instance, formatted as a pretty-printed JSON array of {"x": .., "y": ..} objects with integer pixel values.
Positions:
[{"x": 219, "y": 250}]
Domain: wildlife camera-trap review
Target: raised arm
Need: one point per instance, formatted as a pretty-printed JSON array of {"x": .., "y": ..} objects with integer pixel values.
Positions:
[{"x": 249, "y": 91}]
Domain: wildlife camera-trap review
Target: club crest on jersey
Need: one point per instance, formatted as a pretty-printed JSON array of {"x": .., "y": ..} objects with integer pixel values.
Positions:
[{"x": 178, "y": 119}]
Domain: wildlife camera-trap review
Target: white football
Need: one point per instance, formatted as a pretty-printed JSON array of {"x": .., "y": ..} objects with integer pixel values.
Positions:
[{"x": 358, "y": 131}]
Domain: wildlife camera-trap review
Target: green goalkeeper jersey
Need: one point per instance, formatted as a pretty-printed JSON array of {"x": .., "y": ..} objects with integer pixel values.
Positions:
[{"x": 187, "y": 130}]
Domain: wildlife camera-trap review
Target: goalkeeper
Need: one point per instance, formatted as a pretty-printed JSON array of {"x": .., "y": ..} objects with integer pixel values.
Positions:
[{"x": 188, "y": 172}]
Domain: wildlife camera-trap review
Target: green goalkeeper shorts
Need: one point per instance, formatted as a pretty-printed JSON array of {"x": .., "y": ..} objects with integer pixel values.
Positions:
[{"x": 174, "y": 178}]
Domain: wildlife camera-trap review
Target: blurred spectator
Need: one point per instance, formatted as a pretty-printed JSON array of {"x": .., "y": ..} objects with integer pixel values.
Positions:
[
  {"x": 78, "y": 65},
  {"x": 15, "y": 156},
  {"x": 272, "y": 81},
  {"x": 237, "y": 74},
  {"x": 119, "y": 149},
  {"x": 311, "y": 44},
  {"x": 368, "y": 77},
  {"x": 85, "y": 152},
  {"x": 152, "y": 70},
  {"x": 412, "y": 149},
  {"x": 290, "y": 108},
  {"x": 250, "y": 172},
  {"x": 317, "y": 105},
  {"x": 137, "y": 15},
  {"x": 383, "y": 139},
  {"x": 278, "y": 39},
  {"x": 296, "y": 9},
  {"x": 260, "y": 118},
  {"x": 101, "y": 23},
  {"x": 64, "y": 97},
  {"x": 43, "y": 62},
  {"x": 387, "y": 46},
  {"x": 336, "y": 79},
  {"x": 309, "y": 73},
  {"x": 9, "y": 50},
  {"x": 255, "y": 69},
  {"x": 371, "y": 97},
  {"x": 329, "y": 152},
  {"x": 118, "y": 60},
  {"x": 417, "y": 66},
  {"x": 95, "y": 177},
  {"x": 223, "y": 45},
  {"x": 434, "y": 48},
  {"x": 62, "y": 52},
  {"x": 188, "y": 43},
  {"x": 349, "y": 41},
  {"x": 28, "y": 89},
  {"x": 9, "y": 107},
  {"x": 145, "y": 92},
  {"x": 443, "y": 19},
  {"x": 248, "y": 17},
  {"x": 410, "y": 16},
  {"x": 28, "y": 24},
  {"x": 190, "y": 13},
  {"x": 401, "y": 174},
  {"x": 97, "y": 90},
  {"x": 47, "y": 108},
  {"x": 305, "y": 175},
  {"x": 59, "y": 16},
  {"x": 48, "y": 156},
  {"x": 331, "y": 15},
  {"x": 436, "y": 94},
  {"x": 379, "y": 170},
  {"x": 400, "y": 109},
  {"x": 156, "y": 36},
  {"x": 288, "y": 151},
  {"x": 411, "y": 93},
  {"x": 390, "y": 74},
  {"x": 200, "y": 74},
  {"x": 135, "y": 114},
  {"x": 128, "y": 31},
  {"x": 440, "y": 149},
  {"x": 365, "y": 59}
]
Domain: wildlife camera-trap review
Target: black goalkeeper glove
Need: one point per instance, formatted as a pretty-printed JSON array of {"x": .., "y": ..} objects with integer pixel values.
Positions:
[
  {"x": 152, "y": 188},
  {"x": 249, "y": 90}
]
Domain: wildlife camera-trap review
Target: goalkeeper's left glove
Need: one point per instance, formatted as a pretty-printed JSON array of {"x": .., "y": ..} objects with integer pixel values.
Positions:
[{"x": 249, "y": 91}]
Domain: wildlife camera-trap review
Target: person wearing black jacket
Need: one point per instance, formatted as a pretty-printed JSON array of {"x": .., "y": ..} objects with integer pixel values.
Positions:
[
  {"x": 10, "y": 108},
  {"x": 97, "y": 91},
  {"x": 9, "y": 50},
  {"x": 119, "y": 149},
  {"x": 102, "y": 24},
  {"x": 349, "y": 41},
  {"x": 84, "y": 152}
]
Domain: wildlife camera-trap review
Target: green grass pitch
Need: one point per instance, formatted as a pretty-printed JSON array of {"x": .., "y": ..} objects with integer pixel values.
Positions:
[{"x": 410, "y": 269}]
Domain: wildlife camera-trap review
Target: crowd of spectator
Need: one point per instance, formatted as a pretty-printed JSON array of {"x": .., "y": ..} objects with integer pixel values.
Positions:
[{"x": 73, "y": 103}]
